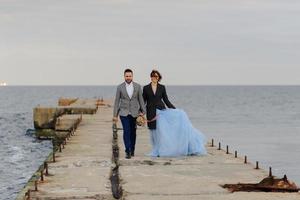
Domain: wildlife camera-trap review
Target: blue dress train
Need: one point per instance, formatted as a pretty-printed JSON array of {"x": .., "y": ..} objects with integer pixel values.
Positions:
[{"x": 175, "y": 135}]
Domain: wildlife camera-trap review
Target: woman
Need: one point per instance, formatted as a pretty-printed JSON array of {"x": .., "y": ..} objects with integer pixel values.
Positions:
[{"x": 172, "y": 134}]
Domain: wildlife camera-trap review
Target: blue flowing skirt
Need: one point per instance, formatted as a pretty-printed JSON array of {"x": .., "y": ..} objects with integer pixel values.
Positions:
[{"x": 175, "y": 135}]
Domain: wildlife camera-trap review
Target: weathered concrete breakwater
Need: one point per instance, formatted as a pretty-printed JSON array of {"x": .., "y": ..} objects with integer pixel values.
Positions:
[
  {"x": 92, "y": 166},
  {"x": 56, "y": 121},
  {"x": 191, "y": 177},
  {"x": 58, "y": 124}
]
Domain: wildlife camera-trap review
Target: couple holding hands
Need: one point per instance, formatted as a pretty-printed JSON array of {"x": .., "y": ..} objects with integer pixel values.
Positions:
[{"x": 171, "y": 131}]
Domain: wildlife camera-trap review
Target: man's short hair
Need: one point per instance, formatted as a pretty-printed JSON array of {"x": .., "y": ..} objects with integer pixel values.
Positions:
[{"x": 128, "y": 70}]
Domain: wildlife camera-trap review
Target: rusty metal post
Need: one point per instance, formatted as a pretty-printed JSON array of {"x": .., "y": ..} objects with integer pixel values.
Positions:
[
  {"x": 257, "y": 167},
  {"x": 270, "y": 171},
  {"x": 227, "y": 149},
  {"x": 46, "y": 168},
  {"x": 219, "y": 146},
  {"x": 28, "y": 194},
  {"x": 235, "y": 154},
  {"x": 42, "y": 175},
  {"x": 36, "y": 186},
  {"x": 245, "y": 160},
  {"x": 212, "y": 142},
  {"x": 54, "y": 149}
]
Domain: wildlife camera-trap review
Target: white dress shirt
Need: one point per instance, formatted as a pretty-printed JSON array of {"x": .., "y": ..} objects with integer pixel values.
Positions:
[{"x": 129, "y": 89}]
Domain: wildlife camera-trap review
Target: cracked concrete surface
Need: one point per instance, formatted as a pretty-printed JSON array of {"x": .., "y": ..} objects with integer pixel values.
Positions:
[{"x": 83, "y": 168}]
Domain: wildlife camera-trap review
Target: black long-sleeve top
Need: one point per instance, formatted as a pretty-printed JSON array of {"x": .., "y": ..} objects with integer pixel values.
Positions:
[{"x": 155, "y": 101}]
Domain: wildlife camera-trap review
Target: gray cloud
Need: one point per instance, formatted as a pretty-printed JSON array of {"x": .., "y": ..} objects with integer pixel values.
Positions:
[{"x": 191, "y": 42}]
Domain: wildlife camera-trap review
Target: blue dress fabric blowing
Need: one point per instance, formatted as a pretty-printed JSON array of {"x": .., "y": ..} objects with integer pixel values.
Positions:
[{"x": 175, "y": 135}]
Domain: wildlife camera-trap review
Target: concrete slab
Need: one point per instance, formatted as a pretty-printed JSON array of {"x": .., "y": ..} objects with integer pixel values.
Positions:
[
  {"x": 82, "y": 169},
  {"x": 190, "y": 177}
]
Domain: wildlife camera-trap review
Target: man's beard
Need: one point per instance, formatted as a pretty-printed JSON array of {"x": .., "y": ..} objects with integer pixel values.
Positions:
[{"x": 128, "y": 81}]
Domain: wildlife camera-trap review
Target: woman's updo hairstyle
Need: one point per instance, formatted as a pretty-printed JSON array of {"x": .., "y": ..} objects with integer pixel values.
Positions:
[{"x": 156, "y": 73}]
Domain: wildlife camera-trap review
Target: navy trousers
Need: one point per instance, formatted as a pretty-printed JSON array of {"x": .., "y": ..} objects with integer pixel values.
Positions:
[{"x": 129, "y": 132}]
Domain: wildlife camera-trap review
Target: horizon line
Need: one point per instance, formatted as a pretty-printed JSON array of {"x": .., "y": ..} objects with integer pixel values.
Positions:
[{"x": 83, "y": 85}]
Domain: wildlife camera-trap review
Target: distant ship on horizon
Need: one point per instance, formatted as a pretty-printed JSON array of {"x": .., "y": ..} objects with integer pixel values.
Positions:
[{"x": 3, "y": 84}]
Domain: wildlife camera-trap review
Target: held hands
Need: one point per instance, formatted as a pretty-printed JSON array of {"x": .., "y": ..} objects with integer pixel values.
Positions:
[
  {"x": 141, "y": 115},
  {"x": 141, "y": 120}
]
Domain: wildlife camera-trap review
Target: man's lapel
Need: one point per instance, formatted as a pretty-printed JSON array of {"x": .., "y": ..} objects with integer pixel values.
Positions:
[
  {"x": 125, "y": 91},
  {"x": 134, "y": 88}
]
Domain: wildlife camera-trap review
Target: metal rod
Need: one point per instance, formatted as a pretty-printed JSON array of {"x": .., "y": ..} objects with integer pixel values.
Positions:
[
  {"x": 35, "y": 185},
  {"x": 235, "y": 154},
  {"x": 53, "y": 144},
  {"x": 245, "y": 160},
  {"x": 42, "y": 176},
  {"x": 28, "y": 194},
  {"x": 46, "y": 167},
  {"x": 257, "y": 167},
  {"x": 270, "y": 171},
  {"x": 60, "y": 148},
  {"x": 219, "y": 146},
  {"x": 53, "y": 156},
  {"x": 227, "y": 149},
  {"x": 212, "y": 142}
]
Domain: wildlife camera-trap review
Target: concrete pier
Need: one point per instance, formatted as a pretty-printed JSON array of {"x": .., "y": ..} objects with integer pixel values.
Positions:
[
  {"x": 192, "y": 177},
  {"x": 84, "y": 168},
  {"x": 46, "y": 117}
]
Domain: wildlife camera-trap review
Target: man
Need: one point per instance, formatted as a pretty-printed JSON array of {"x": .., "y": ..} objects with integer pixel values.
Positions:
[{"x": 129, "y": 104}]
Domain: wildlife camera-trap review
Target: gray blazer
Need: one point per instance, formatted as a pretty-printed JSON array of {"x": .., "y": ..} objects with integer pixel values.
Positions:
[{"x": 124, "y": 105}]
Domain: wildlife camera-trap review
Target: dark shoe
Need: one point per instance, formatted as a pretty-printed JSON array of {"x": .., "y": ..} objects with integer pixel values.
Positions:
[
  {"x": 128, "y": 155},
  {"x": 132, "y": 154}
]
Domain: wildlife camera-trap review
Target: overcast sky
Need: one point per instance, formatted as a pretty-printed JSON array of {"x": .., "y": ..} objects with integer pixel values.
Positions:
[{"x": 194, "y": 42}]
